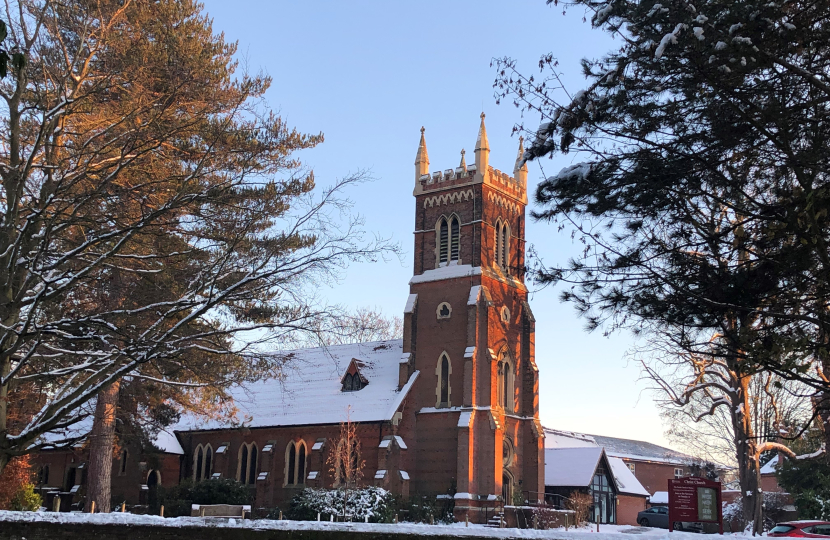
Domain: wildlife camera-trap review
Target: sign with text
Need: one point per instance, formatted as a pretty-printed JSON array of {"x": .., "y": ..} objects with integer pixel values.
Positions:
[{"x": 693, "y": 499}]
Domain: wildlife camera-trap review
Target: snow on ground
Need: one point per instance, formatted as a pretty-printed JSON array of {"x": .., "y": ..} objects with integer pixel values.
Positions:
[{"x": 607, "y": 532}]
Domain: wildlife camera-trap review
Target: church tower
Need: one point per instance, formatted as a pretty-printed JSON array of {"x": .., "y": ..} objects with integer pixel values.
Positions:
[{"x": 473, "y": 411}]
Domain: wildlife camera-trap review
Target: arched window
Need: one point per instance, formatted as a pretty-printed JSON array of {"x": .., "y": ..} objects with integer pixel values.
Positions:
[
  {"x": 448, "y": 232},
  {"x": 301, "y": 451},
  {"x": 43, "y": 475},
  {"x": 291, "y": 463},
  {"x": 295, "y": 456},
  {"x": 507, "y": 399},
  {"x": 252, "y": 468},
  {"x": 443, "y": 241},
  {"x": 122, "y": 465},
  {"x": 198, "y": 463},
  {"x": 208, "y": 462},
  {"x": 153, "y": 479},
  {"x": 352, "y": 382},
  {"x": 242, "y": 475},
  {"x": 443, "y": 391},
  {"x": 502, "y": 245},
  {"x": 247, "y": 463},
  {"x": 455, "y": 239}
]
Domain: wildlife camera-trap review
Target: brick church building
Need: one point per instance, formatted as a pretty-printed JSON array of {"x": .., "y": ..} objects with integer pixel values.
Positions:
[{"x": 453, "y": 407}]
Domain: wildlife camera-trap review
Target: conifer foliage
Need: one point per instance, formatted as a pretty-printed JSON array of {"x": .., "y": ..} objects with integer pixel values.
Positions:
[
  {"x": 702, "y": 193},
  {"x": 153, "y": 219}
]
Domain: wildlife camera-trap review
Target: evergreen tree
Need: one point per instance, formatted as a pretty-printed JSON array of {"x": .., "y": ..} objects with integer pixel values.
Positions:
[{"x": 702, "y": 199}]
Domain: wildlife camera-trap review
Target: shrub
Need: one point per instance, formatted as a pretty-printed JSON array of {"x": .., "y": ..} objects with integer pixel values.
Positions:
[
  {"x": 374, "y": 502},
  {"x": 178, "y": 499},
  {"x": 580, "y": 503},
  {"x": 26, "y": 499}
]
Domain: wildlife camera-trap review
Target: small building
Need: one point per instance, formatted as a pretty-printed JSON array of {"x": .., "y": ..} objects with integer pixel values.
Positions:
[{"x": 651, "y": 464}]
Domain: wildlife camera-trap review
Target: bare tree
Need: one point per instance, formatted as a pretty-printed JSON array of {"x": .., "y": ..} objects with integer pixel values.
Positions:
[
  {"x": 133, "y": 153},
  {"x": 723, "y": 413},
  {"x": 345, "y": 459},
  {"x": 362, "y": 325}
]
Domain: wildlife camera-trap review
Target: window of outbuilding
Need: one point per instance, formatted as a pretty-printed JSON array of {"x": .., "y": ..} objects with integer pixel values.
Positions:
[{"x": 605, "y": 497}]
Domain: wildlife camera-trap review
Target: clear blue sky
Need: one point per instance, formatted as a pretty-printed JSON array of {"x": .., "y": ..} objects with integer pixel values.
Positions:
[{"x": 369, "y": 74}]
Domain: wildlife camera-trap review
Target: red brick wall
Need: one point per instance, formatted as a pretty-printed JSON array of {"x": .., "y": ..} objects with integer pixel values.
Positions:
[
  {"x": 655, "y": 476},
  {"x": 627, "y": 508}
]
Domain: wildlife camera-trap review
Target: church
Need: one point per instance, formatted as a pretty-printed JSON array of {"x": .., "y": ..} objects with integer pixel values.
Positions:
[{"x": 452, "y": 409}]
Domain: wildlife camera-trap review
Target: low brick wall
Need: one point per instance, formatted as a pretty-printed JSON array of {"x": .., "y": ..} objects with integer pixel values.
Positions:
[
  {"x": 87, "y": 531},
  {"x": 49, "y": 526}
]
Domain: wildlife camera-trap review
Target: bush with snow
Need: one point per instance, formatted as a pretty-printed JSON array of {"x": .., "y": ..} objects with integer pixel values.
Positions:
[{"x": 373, "y": 502}]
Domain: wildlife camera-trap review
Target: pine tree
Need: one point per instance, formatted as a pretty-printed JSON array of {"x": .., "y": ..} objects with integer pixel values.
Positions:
[{"x": 702, "y": 198}]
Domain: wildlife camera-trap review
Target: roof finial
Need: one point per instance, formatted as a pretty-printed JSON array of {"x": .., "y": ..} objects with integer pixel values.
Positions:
[
  {"x": 520, "y": 169},
  {"x": 421, "y": 158},
  {"x": 463, "y": 164}
]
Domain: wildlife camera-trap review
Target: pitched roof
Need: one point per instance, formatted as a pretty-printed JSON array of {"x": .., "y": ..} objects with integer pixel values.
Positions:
[
  {"x": 571, "y": 467},
  {"x": 310, "y": 390},
  {"x": 626, "y": 481},
  {"x": 616, "y": 447},
  {"x": 631, "y": 449}
]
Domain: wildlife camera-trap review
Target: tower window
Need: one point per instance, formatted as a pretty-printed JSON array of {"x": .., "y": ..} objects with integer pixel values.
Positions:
[
  {"x": 502, "y": 245},
  {"x": 444, "y": 310},
  {"x": 506, "y": 395},
  {"x": 443, "y": 391},
  {"x": 443, "y": 241},
  {"x": 455, "y": 239},
  {"x": 449, "y": 239}
]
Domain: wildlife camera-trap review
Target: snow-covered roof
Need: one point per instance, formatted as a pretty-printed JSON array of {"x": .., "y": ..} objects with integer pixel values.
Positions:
[
  {"x": 626, "y": 481},
  {"x": 571, "y": 467},
  {"x": 164, "y": 441},
  {"x": 770, "y": 466},
  {"x": 616, "y": 447},
  {"x": 310, "y": 390},
  {"x": 659, "y": 497},
  {"x": 642, "y": 450},
  {"x": 555, "y": 438}
]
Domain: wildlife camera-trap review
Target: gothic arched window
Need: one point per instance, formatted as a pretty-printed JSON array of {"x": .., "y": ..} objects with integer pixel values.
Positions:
[
  {"x": 443, "y": 392},
  {"x": 198, "y": 463},
  {"x": 247, "y": 463},
  {"x": 206, "y": 472},
  {"x": 443, "y": 240},
  {"x": 291, "y": 463},
  {"x": 506, "y": 395},
  {"x": 122, "y": 467},
  {"x": 502, "y": 245},
  {"x": 352, "y": 382},
  {"x": 448, "y": 233},
  {"x": 301, "y": 451}
]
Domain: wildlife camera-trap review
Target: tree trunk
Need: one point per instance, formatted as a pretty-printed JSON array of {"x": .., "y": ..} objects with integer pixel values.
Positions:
[
  {"x": 5, "y": 368},
  {"x": 101, "y": 446}
]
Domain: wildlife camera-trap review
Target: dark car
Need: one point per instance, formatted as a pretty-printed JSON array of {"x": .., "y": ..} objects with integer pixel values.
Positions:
[
  {"x": 802, "y": 529},
  {"x": 658, "y": 516}
]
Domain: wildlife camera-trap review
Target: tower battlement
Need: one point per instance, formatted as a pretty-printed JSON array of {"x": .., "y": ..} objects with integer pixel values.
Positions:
[{"x": 479, "y": 172}]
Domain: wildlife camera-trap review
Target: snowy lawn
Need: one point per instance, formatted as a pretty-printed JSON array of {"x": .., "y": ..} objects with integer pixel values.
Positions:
[{"x": 607, "y": 532}]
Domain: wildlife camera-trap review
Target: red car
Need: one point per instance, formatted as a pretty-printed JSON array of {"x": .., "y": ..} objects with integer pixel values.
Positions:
[{"x": 802, "y": 529}]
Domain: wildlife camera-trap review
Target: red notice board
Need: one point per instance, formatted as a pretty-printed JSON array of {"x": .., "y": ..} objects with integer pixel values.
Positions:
[{"x": 695, "y": 499}]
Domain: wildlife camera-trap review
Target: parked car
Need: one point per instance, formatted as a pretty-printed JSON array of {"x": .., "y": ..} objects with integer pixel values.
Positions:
[
  {"x": 802, "y": 529},
  {"x": 658, "y": 516}
]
